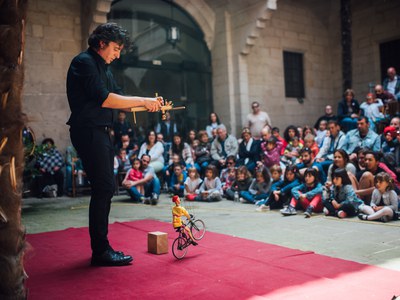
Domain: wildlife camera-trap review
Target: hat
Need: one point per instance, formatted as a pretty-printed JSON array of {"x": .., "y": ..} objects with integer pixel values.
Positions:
[
  {"x": 391, "y": 131},
  {"x": 175, "y": 198}
]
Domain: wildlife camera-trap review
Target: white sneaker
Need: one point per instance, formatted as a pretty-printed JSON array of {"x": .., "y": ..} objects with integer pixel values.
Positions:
[
  {"x": 262, "y": 207},
  {"x": 259, "y": 202},
  {"x": 326, "y": 211},
  {"x": 242, "y": 200},
  {"x": 288, "y": 211}
]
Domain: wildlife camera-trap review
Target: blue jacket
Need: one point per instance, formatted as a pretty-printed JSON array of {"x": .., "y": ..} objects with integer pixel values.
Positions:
[{"x": 309, "y": 192}]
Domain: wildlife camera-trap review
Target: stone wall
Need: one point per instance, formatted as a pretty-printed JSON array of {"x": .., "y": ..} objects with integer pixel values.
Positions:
[
  {"x": 374, "y": 22},
  {"x": 297, "y": 27},
  {"x": 53, "y": 38}
]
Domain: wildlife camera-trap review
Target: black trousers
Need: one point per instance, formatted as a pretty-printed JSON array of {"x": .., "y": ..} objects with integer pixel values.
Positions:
[{"x": 95, "y": 148}]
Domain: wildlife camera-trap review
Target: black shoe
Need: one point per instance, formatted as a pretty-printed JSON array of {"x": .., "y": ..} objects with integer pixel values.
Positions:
[
  {"x": 154, "y": 199},
  {"x": 308, "y": 212},
  {"x": 193, "y": 243},
  {"x": 111, "y": 258}
]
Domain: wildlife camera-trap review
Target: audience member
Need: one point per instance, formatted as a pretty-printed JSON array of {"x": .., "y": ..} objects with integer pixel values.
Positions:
[
  {"x": 384, "y": 201},
  {"x": 331, "y": 143},
  {"x": 292, "y": 152},
  {"x": 389, "y": 100},
  {"x": 178, "y": 179},
  {"x": 342, "y": 200},
  {"x": 361, "y": 137},
  {"x": 241, "y": 183},
  {"x": 281, "y": 196},
  {"x": 328, "y": 116},
  {"x": 167, "y": 127},
  {"x": 271, "y": 150},
  {"x": 211, "y": 188},
  {"x": 306, "y": 196},
  {"x": 257, "y": 120},
  {"x": 223, "y": 146},
  {"x": 259, "y": 188},
  {"x": 182, "y": 149},
  {"x": 150, "y": 183},
  {"x": 124, "y": 163},
  {"x": 50, "y": 163},
  {"x": 122, "y": 127},
  {"x": 202, "y": 152},
  {"x": 249, "y": 151},
  {"x": 192, "y": 184},
  {"x": 213, "y": 124},
  {"x": 348, "y": 111},
  {"x": 154, "y": 150},
  {"x": 309, "y": 142},
  {"x": 372, "y": 110},
  {"x": 391, "y": 83},
  {"x": 321, "y": 133}
]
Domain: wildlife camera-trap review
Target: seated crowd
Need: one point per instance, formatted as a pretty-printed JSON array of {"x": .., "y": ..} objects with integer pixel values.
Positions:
[{"x": 346, "y": 165}]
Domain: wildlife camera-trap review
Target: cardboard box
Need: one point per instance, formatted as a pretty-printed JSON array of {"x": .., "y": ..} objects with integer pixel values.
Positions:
[{"x": 157, "y": 242}]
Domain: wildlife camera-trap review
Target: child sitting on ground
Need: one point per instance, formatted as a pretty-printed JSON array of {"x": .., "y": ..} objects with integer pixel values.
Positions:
[
  {"x": 211, "y": 188},
  {"x": 229, "y": 180},
  {"x": 276, "y": 177},
  {"x": 281, "y": 196},
  {"x": 192, "y": 184},
  {"x": 178, "y": 179},
  {"x": 384, "y": 201},
  {"x": 177, "y": 212},
  {"x": 259, "y": 187},
  {"x": 342, "y": 200},
  {"x": 241, "y": 183},
  {"x": 307, "y": 196},
  {"x": 135, "y": 174}
]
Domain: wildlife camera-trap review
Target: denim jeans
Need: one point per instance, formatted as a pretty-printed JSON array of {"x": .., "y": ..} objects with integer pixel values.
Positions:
[
  {"x": 252, "y": 198},
  {"x": 153, "y": 186}
]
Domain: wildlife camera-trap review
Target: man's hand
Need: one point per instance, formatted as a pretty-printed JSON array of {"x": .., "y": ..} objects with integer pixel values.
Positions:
[{"x": 153, "y": 104}]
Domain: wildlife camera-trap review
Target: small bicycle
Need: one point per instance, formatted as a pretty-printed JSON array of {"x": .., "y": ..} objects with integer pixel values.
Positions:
[{"x": 182, "y": 242}]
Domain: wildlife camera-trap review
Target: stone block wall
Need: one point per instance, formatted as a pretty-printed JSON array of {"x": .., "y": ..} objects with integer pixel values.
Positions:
[
  {"x": 374, "y": 22},
  {"x": 53, "y": 38}
]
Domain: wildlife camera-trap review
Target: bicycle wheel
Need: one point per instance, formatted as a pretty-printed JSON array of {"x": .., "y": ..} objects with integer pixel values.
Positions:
[
  {"x": 179, "y": 247},
  {"x": 198, "y": 229}
]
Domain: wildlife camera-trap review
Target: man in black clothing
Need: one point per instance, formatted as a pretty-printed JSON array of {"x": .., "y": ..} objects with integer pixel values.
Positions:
[{"x": 92, "y": 96}]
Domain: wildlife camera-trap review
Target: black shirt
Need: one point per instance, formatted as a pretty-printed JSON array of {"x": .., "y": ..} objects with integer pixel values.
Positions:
[{"x": 89, "y": 81}]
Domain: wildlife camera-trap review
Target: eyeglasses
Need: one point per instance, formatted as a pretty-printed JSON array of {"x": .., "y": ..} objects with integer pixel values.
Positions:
[
  {"x": 255, "y": 106},
  {"x": 229, "y": 163}
]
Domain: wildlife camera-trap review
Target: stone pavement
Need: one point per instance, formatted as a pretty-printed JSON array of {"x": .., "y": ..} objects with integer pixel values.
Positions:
[{"x": 372, "y": 243}]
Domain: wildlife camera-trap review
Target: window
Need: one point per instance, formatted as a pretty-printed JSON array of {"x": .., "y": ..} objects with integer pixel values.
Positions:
[{"x": 293, "y": 69}]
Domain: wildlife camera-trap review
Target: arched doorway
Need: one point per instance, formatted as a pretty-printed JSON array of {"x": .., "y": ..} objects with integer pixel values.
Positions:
[{"x": 170, "y": 57}]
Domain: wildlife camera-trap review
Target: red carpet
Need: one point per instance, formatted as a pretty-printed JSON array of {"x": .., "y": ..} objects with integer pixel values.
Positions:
[{"x": 220, "y": 267}]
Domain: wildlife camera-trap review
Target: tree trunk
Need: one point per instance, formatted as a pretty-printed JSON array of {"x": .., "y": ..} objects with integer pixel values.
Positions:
[{"x": 12, "y": 234}]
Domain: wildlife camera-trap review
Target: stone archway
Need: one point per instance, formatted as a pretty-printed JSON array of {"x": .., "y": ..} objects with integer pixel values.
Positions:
[{"x": 97, "y": 11}]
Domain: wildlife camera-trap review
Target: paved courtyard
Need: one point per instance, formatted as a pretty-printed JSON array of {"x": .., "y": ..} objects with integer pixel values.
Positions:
[{"x": 364, "y": 242}]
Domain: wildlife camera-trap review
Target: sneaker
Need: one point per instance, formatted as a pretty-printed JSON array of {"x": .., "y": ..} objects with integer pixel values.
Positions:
[
  {"x": 259, "y": 202},
  {"x": 193, "y": 243},
  {"x": 363, "y": 217},
  {"x": 262, "y": 207},
  {"x": 385, "y": 219},
  {"x": 326, "y": 211},
  {"x": 242, "y": 200},
  {"x": 154, "y": 199},
  {"x": 341, "y": 214},
  {"x": 146, "y": 200},
  {"x": 308, "y": 212},
  {"x": 288, "y": 211}
]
